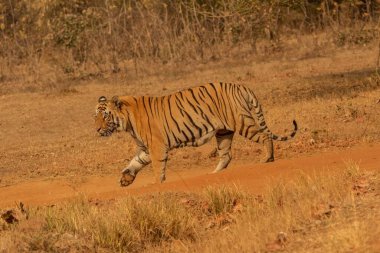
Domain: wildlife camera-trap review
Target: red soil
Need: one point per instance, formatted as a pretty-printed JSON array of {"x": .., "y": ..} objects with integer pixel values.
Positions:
[{"x": 253, "y": 177}]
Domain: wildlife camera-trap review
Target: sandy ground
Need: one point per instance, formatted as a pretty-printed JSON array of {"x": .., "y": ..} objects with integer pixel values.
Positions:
[{"x": 253, "y": 177}]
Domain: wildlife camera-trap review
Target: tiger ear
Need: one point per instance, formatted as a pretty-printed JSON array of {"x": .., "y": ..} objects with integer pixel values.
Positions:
[
  {"x": 102, "y": 99},
  {"x": 116, "y": 101}
]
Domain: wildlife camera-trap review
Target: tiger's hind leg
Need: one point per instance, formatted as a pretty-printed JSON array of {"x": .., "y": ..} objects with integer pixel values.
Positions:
[
  {"x": 224, "y": 141},
  {"x": 268, "y": 145},
  {"x": 252, "y": 131}
]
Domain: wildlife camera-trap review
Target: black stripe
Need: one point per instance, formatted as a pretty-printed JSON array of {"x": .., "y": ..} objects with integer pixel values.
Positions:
[
  {"x": 183, "y": 112},
  {"x": 150, "y": 105},
  {"x": 171, "y": 114},
  {"x": 202, "y": 114},
  {"x": 227, "y": 91},
  {"x": 156, "y": 106},
  {"x": 242, "y": 101},
  {"x": 193, "y": 123},
  {"x": 246, "y": 131},
  {"x": 172, "y": 118},
  {"x": 193, "y": 95},
  {"x": 141, "y": 161},
  {"x": 225, "y": 113},
  {"x": 187, "y": 138},
  {"x": 191, "y": 132},
  {"x": 192, "y": 106},
  {"x": 147, "y": 114},
  {"x": 222, "y": 103},
  {"x": 206, "y": 128},
  {"x": 209, "y": 108},
  {"x": 180, "y": 106},
  {"x": 208, "y": 93},
  {"x": 241, "y": 124},
  {"x": 166, "y": 124},
  {"x": 217, "y": 95},
  {"x": 163, "y": 117}
]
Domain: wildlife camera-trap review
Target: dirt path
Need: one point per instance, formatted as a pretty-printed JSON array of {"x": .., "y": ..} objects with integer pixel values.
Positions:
[{"x": 253, "y": 177}]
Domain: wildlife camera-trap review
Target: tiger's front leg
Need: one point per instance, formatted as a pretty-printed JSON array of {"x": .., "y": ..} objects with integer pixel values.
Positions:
[
  {"x": 136, "y": 164},
  {"x": 159, "y": 160},
  {"x": 159, "y": 169}
]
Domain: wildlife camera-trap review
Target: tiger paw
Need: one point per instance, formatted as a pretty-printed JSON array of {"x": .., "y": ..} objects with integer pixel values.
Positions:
[
  {"x": 267, "y": 160},
  {"x": 126, "y": 179}
]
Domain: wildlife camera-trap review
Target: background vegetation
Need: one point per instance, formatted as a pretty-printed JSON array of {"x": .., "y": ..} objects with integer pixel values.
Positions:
[{"x": 48, "y": 41}]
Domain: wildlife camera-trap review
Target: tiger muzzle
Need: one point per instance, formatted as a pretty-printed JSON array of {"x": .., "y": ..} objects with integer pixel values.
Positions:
[
  {"x": 111, "y": 127},
  {"x": 105, "y": 133}
]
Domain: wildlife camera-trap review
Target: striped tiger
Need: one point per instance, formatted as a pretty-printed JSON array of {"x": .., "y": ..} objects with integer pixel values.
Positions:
[{"x": 189, "y": 117}]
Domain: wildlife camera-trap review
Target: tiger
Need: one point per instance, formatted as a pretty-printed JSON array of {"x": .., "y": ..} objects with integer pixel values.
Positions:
[{"x": 190, "y": 117}]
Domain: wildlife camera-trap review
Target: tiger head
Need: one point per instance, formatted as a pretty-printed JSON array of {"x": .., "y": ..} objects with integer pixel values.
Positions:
[{"x": 107, "y": 116}]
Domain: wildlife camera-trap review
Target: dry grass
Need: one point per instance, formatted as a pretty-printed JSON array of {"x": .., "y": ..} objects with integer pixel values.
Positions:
[
  {"x": 327, "y": 210},
  {"x": 309, "y": 214},
  {"x": 223, "y": 199},
  {"x": 129, "y": 225}
]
